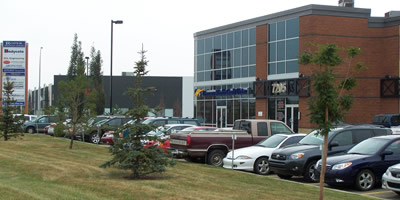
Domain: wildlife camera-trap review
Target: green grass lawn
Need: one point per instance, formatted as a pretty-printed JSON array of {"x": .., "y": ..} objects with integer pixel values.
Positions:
[{"x": 42, "y": 167}]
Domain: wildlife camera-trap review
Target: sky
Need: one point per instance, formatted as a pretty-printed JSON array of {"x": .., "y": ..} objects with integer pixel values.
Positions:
[{"x": 165, "y": 28}]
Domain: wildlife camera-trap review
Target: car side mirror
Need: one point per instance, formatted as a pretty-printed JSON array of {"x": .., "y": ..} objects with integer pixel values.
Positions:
[
  {"x": 333, "y": 144},
  {"x": 386, "y": 153}
]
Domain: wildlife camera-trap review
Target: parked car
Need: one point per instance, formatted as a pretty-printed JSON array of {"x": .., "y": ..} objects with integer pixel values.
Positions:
[
  {"x": 364, "y": 164},
  {"x": 49, "y": 130},
  {"x": 39, "y": 124},
  {"x": 161, "y": 121},
  {"x": 387, "y": 120},
  {"x": 300, "y": 159},
  {"x": 214, "y": 145},
  {"x": 391, "y": 179},
  {"x": 103, "y": 126},
  {"x": 255, "y": 158}
]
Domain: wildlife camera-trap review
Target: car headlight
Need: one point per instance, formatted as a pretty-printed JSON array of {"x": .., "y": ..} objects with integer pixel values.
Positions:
[
  {"x": 388, "y": 171},
  {"x": 296, "y": 156},
  {"x": 341, "y": 166},
  {"x": 243, "y": 157}
]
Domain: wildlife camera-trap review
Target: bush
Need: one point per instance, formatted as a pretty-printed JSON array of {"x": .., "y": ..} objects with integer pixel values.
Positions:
[{"x": 59, "y": 130}]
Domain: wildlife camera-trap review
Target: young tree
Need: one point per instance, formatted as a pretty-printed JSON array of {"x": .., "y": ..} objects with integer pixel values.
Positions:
[
  {"x": 10, "y": 125},
  {"x": 96, "y": 76},
  {"x": 129, "y": 152},
  {"x": 332, "y": 97}
]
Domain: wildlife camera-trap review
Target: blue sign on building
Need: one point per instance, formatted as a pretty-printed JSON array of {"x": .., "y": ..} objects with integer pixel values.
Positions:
[{"x": 13, "y": 43}]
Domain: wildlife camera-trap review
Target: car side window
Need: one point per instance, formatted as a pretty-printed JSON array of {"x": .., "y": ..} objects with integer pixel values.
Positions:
[
  {"x": 292, "y": 140},
  {"x": 171, "y": 121},
  {"x": 158, "y": 123},
  {"x": 44, "y": 120},
  {"x": 379, "y": 132},
  {"x": 394, "y": 147},
  {"x": 262, "y": 128},
  {"x": 395, "y": 120},
  {"x": 192, "y": 122},
  {"x": 277, "y": 128},
  {"x": 343, "y": 138},
  {"x": 114, "y": 122},
  {"x": 360, "y": 135}
]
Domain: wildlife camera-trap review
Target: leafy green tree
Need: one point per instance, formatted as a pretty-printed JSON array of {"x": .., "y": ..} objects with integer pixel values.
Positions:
[
  {"x": 129, "y": 152},
  {"x": 10, "y": 125},
  {"x": 96, "y": 76},
  {"x": 332, "y": 97}
]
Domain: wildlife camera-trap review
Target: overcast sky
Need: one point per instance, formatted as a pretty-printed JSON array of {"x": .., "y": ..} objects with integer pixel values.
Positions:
[{"x": 165, "y": 28}]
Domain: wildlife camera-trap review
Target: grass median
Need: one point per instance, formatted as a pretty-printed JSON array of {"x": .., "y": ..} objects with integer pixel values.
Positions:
[{"x": 42, "y": 167}]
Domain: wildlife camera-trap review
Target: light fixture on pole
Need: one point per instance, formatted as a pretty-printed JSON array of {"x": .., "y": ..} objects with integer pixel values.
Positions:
[
  {"x": 40, "y": 63},
  {"x": 87, "y": 66},
  {"x": 111, "y": 60}
]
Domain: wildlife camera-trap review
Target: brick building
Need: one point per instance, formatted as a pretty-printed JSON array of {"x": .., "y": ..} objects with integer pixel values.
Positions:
[{"x": 250, "y": 69}]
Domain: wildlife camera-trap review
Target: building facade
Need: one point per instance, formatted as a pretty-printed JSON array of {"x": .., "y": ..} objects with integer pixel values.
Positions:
[{"x": 250, "y": 69}]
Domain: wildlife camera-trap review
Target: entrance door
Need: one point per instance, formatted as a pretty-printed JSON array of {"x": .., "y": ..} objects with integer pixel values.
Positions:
[
  {"x": 221, "y": 116},
  {"x": 292, "y": 116}
]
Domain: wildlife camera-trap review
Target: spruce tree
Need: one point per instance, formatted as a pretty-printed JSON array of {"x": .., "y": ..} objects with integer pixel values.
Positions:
[
  {"x": 77, "y": 58},
  {"x": 129, "y": 152},
  {"x": 96, "y": 76},
  {"x": 10, "y": 124}
]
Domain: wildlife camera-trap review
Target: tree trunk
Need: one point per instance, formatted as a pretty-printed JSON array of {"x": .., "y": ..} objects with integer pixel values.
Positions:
[
  {"x": 72, "y": 136},
  {"x": 324, "y": 155}
]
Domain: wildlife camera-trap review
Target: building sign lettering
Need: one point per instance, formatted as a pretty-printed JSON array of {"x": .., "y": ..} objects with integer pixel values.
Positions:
[
  {"x": 278, "y": 88},
  {"x": 223, "y": 92}
]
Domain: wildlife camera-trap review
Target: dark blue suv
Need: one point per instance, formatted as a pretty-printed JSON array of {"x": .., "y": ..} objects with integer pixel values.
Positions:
[{"x": 387, "y": 120}]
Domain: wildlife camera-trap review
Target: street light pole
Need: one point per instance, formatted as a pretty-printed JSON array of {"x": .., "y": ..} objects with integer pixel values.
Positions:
[
  {"x": 111, "y": 60},
  {"x": 40, "y": 63},
  {"x": 87, "y": 67}
]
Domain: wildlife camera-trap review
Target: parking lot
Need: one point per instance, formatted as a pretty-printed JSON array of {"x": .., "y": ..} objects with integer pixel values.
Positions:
[{"x": 377, "y": 192}]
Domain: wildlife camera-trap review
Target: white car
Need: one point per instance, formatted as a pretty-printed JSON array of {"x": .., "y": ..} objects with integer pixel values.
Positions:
[
  {"x": 391, "y": 179},
  {"x": 255, "y": 158}
]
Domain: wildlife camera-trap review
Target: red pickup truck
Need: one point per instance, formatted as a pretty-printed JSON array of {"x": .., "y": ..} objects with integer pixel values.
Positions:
[{"x": 214, "y": 145}]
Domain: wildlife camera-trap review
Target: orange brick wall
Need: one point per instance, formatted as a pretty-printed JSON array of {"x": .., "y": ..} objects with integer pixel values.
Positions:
[{"x": 262, "y": 66}]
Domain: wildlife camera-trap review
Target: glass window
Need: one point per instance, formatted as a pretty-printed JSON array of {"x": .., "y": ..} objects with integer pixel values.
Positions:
[
  {"x": 245, "y": 56},
  {"x": 245, "y": 108},
  {"x": 208, "y": 45},
  {"x": 344, "y": 138},
  {"x": 200, "y": 46},
  {"x": 281, "y": 68},
  {"x": 236, "y": 57},
  {"x": 360, "y": 135},
  {"x": 252, "y": 108},
  {"x": 230, "y": 40},
  {"x": 252, "y": 55},
  {"x": 223, "y": 42},
  {"x": 200, "y": 76},
  {"x": 208, "y": 76},
  {"x": 394, "y": 147},
  {"x": 229, "y": 57},
  {"x": 217, "y": 43},
  {"x": 223, "y": 74},
  {"x": 292, "y": 140},
  {"x": 252, "y": 36},
  {"x": 292, "y": 28},
  {"x": 200, "y": 63},
  {"x": 228, "y": 73},
  {"x": 192, "y": 122},
  {"x": 170, "y": 121},
  {"x": 281, "y": 30},
  {"x": 236, "y": 72},
  {"x": 114, "y": 122},
  {"x": 292, "y": 49},
  {"x": 272, "y": 32},
  {"x": 207, "y": 61},
  {"x": 217, "y": 60},
  {"x": 277, "y": 128},
  {"x": 252, "y": 71},
  {"x": 281, "y": 50},
  {"x": 262, "y": 128},
  {"x": 245, "y": 37},
  {"x": 245, "y": 72},
  {"x": 217, "y": 74},
  {"x": 272, "y": 68},
  {"x": 200, "y": 111},
  {"x": 271, "y": 52},
  {"x": 238, "y": 39},
  {"x": 159, "y": 123},
  {"x": 43, "y": 120},
  {"x": 292, "y": 66}
]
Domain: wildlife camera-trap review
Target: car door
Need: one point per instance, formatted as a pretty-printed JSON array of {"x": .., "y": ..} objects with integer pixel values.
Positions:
[
  {"x": 343, "y": 140},
  {"x": 388, "y": 160},
  {"x": 42, "y": 122}
]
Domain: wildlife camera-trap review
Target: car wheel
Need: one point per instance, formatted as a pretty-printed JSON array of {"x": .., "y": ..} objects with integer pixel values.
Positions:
[
  {"x": 216, "y": 158},
  {"x": 365, "y": 180},
  {"x": 309, "y": 172},
  {"x": 284, "y": 176},
  {"x": 95, "y": 138},
  {"x": 261, "y": 166},
  {"x": 30, "y": 130}
]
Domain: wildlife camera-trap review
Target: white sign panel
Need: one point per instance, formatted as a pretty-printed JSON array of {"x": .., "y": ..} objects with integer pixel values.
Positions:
[{"x": 13, "y": 67}]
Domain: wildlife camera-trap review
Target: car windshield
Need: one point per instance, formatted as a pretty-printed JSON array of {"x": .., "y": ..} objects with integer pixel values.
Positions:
[
  {"x": 272, "y": 141},
  {"x": 147, "y": 121},
  {"x": 313, "y": 139},
  {"x": 369, "y": 146},
  {"x": 102, "y": 122}
]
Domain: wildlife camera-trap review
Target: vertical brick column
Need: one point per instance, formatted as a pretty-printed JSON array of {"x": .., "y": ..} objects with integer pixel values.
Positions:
[{"x": 262, "y": 66}]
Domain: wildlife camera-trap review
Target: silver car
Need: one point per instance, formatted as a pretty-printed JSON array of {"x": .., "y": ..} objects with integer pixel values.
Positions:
[{"x": 391, "y": 179}]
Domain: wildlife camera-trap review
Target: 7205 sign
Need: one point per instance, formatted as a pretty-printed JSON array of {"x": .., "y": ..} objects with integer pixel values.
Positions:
[{"x": 278, "y": 88}]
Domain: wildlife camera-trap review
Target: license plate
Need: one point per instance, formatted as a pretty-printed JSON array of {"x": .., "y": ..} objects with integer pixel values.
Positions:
[{"x": 179, "y": 142}]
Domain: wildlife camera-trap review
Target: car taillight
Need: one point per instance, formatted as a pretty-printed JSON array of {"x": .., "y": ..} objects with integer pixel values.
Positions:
[{"x": 188, "y": 139}]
